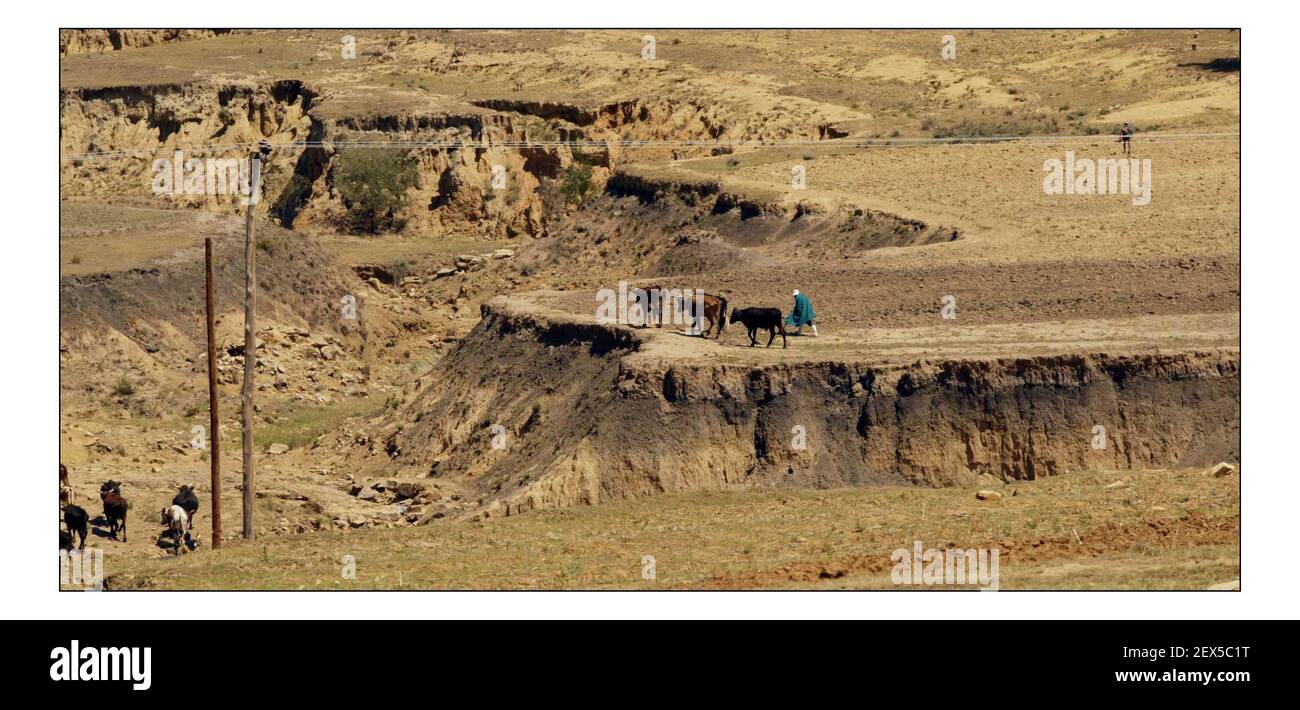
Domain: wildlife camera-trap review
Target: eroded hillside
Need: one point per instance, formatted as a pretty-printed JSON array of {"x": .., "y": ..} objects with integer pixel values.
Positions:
[{"x": 473, "y": 380}]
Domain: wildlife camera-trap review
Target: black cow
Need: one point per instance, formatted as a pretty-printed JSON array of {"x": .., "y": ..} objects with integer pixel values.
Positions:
[
  {"x": 76, "y": 518},
  {"x": 110, "y": 485},
  {"x": 190, "y": 503},
  {"x": 755, "y": 318}
]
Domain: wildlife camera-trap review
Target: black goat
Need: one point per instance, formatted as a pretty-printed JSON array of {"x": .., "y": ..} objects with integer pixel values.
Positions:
[
  {"x": 115, "y": 507},
  {"x": 76, "y": 518}
]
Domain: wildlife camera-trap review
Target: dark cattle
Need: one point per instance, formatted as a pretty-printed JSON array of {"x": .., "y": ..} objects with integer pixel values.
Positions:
[
  {"x": 190, "y": 504},
  {"x": 76, "y": 518},
  {"x": 114, "y": 512},
  {"x": 768, "y": 319},
  {"x": 110, "y": 485},
  {"x": 654, "y": 300},
  {"x": 65, "y": 540}
]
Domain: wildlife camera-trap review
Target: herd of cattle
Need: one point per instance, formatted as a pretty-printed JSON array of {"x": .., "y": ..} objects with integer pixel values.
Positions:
[{"x": 177, "y": 519}]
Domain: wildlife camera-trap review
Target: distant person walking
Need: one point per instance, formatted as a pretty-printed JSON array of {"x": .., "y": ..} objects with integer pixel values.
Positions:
[
  {"x": 802, "y": 314},
  {"x": 1126, "y": 137}
]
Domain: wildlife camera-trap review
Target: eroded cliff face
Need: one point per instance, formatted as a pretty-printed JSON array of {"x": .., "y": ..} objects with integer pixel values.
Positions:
[
  {"x": 84, "y": 41},
  {"x": 111, "y": 138},
  {"x": 481, "y": 168},
  {"x": 614, "y": 423}
]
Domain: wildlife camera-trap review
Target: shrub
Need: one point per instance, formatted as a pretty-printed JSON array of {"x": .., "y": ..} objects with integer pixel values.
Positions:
[
  {"x": 576, "y": 184},
  {"x": 399, "y": 270},
  {"x": 123, "y": 388},
  {"x": 373, "y": 183}
]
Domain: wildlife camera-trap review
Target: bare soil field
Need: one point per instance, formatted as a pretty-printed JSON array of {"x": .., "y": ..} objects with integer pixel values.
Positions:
[{"x": 473, "y": 423}]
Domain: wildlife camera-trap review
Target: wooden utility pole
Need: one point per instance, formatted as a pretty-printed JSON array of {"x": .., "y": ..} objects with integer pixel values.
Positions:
[
  {"x": 214, "y": 417},
  {"x": 250, "y": 343}
]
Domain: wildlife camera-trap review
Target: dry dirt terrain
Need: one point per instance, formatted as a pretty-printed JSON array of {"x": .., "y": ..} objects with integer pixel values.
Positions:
[{"x": 439, "y": 396}]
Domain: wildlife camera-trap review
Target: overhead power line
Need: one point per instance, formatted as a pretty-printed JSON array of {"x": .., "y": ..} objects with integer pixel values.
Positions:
[{"x": 488, "y": 144}]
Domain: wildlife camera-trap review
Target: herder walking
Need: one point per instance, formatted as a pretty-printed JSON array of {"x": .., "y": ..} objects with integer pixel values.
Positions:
[{"x": 802, "y": 314}]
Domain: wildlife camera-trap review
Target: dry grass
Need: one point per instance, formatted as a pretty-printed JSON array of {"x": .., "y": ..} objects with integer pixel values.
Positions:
[
  {"x": 101, "y": 238},
  {"x": 1162, "y": 529},
  {"x": 882, "y": 82}
]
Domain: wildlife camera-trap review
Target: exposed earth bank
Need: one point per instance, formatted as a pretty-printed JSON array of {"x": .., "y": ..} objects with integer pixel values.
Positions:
[{"x": 616, "y": 418}]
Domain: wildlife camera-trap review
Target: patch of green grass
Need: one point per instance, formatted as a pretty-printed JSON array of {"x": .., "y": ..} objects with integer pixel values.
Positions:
[{"x": 303, "y": 426}]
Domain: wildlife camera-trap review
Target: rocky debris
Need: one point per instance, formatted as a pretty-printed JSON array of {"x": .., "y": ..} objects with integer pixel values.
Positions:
[
  {"x": 464, "y": 262},
  {"x": 391, "y": 490},
  {"x": 408, "y": 489},
  {"x": 988, "y": 495},
  {"x": 1221, "y": 469},
  {"x": 404, "y": 502},
  {"x": 277, "y": 449},
  {"x": 467, "y": 262}
]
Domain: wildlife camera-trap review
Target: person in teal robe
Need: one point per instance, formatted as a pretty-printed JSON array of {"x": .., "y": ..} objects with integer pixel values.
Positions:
[{"x": 802, "y": 314}]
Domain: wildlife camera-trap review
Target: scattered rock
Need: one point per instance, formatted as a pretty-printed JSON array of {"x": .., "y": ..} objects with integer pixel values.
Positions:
[
  {"x": 408, "y": 489},
  {"x": 1221, "y": 469},
  {"x": 988, "y": 495},
  {"x": 277, "y": 449}
]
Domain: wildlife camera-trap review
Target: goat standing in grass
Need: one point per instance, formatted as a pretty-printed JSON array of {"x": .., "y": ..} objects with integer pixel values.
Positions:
[
  {"x": 66, "y": 495},
  {"x": 190, "y": 502},
  {"x": 177, "y": 522}
]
